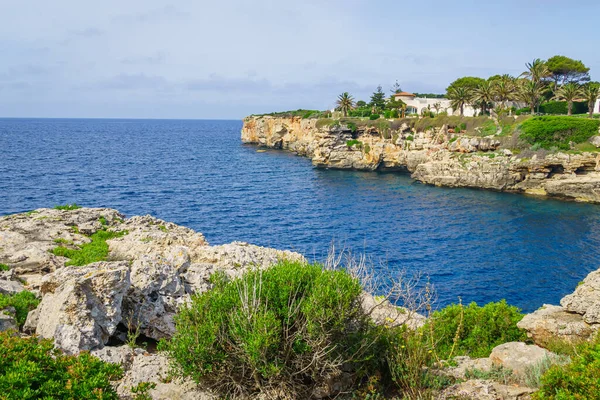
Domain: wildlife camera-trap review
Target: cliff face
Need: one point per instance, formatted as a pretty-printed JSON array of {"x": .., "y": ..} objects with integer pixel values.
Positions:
[{"x": 434, "y": 156}]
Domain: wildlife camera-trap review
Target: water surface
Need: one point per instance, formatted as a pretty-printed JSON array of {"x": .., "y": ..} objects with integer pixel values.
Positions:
[{"x": 482, "y": 246}]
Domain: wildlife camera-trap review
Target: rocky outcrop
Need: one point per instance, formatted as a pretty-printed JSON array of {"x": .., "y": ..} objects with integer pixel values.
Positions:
[
  {"x": 435, "y": 156},
  {"x": 576, "y": 319},
  {"x": 520, "y": 357}
]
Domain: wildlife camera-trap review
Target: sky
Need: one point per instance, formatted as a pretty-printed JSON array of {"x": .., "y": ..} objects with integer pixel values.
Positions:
[{"x": 229, "y": 58}]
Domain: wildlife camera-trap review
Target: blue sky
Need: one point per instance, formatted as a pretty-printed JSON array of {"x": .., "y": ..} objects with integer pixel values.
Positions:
[{"x": 230, "y": 58}]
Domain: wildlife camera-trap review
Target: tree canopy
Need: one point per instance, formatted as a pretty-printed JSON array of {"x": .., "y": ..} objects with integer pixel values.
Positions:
[
  {"x": 469, "y": 83},
  {"x": 567, "y": 70},
  {"x": 378, "y": 99}
]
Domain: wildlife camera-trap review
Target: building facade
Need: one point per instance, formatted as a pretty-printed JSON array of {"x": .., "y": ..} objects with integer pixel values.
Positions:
[{"x": 416, "y": 105}]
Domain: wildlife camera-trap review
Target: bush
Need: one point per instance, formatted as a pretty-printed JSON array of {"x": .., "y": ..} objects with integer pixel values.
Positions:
[
  {"x": 96, "y": 250},
  {"x": 373, "y": 117},
  {"x": 562, "y": 107},
  {"x": 551, "y": 131},
  {"x": 578, "y": 380},
  {"x": 354, "y": 142},
  {"x": 23, "y": 302},
  {"x": 473, "y": 330},
  {"x": 286, "y": 329},
  {"x": 4, "y": 267},
  {"x": 33, "y": 369}
]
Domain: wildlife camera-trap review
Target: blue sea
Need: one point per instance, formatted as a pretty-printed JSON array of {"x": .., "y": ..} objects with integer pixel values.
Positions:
[{"x": 477, "y": 245}]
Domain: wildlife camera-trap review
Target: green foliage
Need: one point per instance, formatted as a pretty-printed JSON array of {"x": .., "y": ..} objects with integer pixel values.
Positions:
[
  {"x": 4, "y": 267},
  {"x": 551, "y": 131},
  {"x": 142, "y": 390},
  {"x": 373, "y": 117},
  {"x": 378, "y": 99},
  {"x": 562, "y": 107},
  {"x": 327, "y": 122},
  {"x": 565, "y": 70},
  {"x": 367, "y": 148},
  {"x": 280, "y": 330},
  {"x": 352, "y": 126},
  {"x": 68, "y": 207},
  {"x": 468, "y": 82},
  {"x": 578, "y": 380},
  {"x": 163, "y": 228},
  {"x": 103, "y": 221},
  {"x": 297, "y": 113},
  {"x": 23, "y": 302},
  {"x": 477, "y": 331},
  {"x": 354, "y": 142},
  {"x": 96, "y": 250},
  {"x": 31, "y": 368}
]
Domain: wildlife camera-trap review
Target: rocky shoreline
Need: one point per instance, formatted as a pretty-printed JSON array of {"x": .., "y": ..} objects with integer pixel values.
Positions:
[
  {"x": 434, "y": 155},
  {"x": 153, "y": 267}
]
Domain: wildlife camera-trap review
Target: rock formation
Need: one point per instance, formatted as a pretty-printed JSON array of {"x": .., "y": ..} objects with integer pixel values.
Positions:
[{"x": 434, "y": 156}]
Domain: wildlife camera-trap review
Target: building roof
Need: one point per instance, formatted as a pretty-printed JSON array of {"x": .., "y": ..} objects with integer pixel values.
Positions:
[{"x": 407, "y": 94}]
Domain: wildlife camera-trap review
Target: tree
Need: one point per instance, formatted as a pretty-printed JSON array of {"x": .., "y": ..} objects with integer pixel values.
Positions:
[
  {"x": 484, "y": 94},
  {"x": 536, "y": 71},
  {"x": 531, "y": 93},
  {"x": 345, "y": 102},
  {"x": 378, "y": 99},
  {"x": 361, "y": 104},
  {"x": 504, "y": 88},
  {"x": 459, "y": 97},
  {"x": 568, "y": 92},
  {"x": 394, "y": 104},
  {"x": 591, "y": 93},
  {"x": 396, "y": 88},
  {"x": 468, "y": 82},
  {"x": 565, "y": 70}
]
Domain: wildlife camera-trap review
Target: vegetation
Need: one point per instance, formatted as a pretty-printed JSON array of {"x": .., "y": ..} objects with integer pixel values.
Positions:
[
  {"x": 568, "y": 92},
  {"x": 473, "y": 330},
  {"x": 4, "y": 267},
  {"x": 282, "y": 330},
  {"x": 354, "y": 142},
  {"x": 95, "y": 250},
  {"x": 68, "y": 207},
  {"x": 565, "y": 70},
  {"x": 22, "y": 302},
  {"x": 345, "y": 102},
  {"x": 33, "y": 369},
  {"x": 302, "y": 113},
  {"x": 559, "y": 132},
  {"x": 578, "y": 380},
  {"x": 591, "y": 93}
]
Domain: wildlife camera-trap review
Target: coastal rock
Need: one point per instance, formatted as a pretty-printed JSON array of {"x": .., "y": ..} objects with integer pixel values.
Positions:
[
  {"x": 586, "y": 299},
  {"x": 7, "y": 319},
  {"x": 9, "y": 283},
  {"x": 595, "y": 140},
  {"x": 81, "y": 307},
  {"x": 486, "y": 390},
  {"x": 554, "y": 322},
  {"x": 519, "y": 357},
  {"x": 383, "y": 312}
]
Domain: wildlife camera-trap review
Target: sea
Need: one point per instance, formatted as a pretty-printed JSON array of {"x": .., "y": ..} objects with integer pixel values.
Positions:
[{"x": 471, "y": 245}]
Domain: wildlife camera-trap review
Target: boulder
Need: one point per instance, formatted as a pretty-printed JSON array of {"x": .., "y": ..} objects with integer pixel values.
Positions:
[
  {"x": 7, "y": 319},
  {"x": 486, "y": 390},
  {"x": 519, "y": 357},
  {"x": 383, "y": 312},
  {"x": 81, "y": 307},
  {"x": 554, "y": 322},
  {"x": 9, "y": 283},
  {"x": 595, "y": 140},
  {"x": 586, "y": 299}
]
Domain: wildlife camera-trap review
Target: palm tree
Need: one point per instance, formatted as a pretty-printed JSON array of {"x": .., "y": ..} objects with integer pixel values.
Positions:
[
  {"x": 345, "y": 102},
  {"x": 591, "y": 93},
  {"x": 536, "y": 71},
  {"x": 459, "y": 97},
  {"x": 504, "y": 88},
  {"x": 484, "y": 94},
  {"x": 568, "y": 92},
  {"x": 531, "y": 92}
]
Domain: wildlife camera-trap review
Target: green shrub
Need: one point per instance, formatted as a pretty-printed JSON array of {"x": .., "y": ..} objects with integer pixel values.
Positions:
[
  {"x": 473, "y": 330},
  {"x": 578, "y": 380},
  {"x": 23, "y": 302},
  {"x": 68, "y": 207},
  {"x": 367, "y": 148},
  {"x": 352, "y": 126},
  {"x": 562, "y": 107},
  {"x": 373, "y": 117},
  {"x": 354, "y": 142},
  {"x": 281, "y": 330},
  {"x": 96, "y": 250},
  {"x": 31, "y": 368},
  {"x": 4, "y": 267},
  {"x": 551, "y": 131}
]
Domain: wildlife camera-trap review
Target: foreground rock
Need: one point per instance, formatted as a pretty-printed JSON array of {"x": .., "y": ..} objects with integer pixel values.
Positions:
[
  {"x": 436, "y": 156},
  {"x": 576, "y": 319},
  {"x": 520, "y": 357}
]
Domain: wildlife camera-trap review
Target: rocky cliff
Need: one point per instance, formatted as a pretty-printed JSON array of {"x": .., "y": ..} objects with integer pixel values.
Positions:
[{"x": 433, "y": 155}]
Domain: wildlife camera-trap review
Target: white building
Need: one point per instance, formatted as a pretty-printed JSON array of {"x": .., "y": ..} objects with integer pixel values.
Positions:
[
  {"x": 416, "y": 105},
  {"x": 597, "y": 107}
]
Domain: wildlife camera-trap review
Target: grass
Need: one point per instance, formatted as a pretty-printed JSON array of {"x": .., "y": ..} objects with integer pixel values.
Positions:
[
  {"x": 67, "y": 207},
  {"x": 496, "y": 373},
  {"x": 4, "y": 267},
  {"x": 62, "y": 241},
  {"x": 96, "y": 250},
  {"x": 103, "y": 221},
  {"x": 163, "y": 228}
]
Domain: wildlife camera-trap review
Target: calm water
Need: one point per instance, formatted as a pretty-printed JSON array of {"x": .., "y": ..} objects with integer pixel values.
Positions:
[{"x": 479, "y": 245}]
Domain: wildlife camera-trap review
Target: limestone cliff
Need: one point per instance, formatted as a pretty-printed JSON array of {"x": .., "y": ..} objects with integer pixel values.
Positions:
[{"x": 435, "y": 155}]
